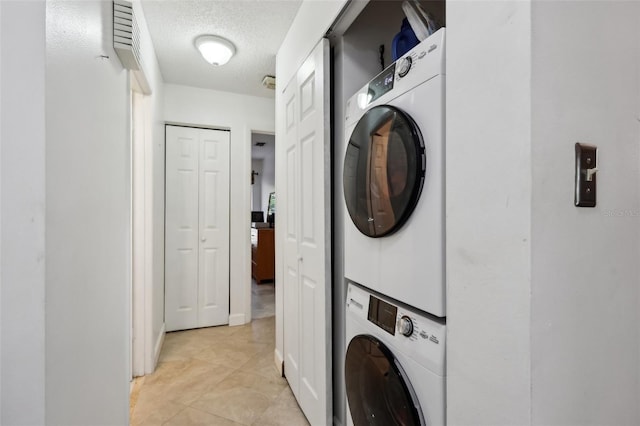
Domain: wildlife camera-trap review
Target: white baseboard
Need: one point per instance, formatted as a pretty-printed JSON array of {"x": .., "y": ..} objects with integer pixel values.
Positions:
[
  {"x": 158, "y": 347},
  {"x": 279, "y": 361},
  {"x": 237, "y": 319}
]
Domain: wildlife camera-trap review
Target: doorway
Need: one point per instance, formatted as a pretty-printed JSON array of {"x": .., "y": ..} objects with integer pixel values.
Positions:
[{"x": 262, "y": 230}]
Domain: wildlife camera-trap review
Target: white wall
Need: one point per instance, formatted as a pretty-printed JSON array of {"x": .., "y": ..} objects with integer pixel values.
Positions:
[
  {"x": 543, "y": 296},
  {"x": 241, "y": 114},
  {"x": 488, "y": 196},
  {"x": 585, "y": 261},
  {"x": 88, "y": 189},
  {"x": 22, "y": 244}
]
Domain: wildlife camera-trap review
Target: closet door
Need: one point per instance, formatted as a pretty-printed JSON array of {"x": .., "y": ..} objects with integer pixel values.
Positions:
[
  {"x": 196, "y": 228},
  {"x": 307, "y": 238},
  {"x": 213, "y": 268}
]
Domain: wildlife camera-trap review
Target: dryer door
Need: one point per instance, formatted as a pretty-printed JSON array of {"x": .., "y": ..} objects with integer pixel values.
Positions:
[
  {"x": 384, "y": 170},
  {"x": 378, "y": 390}
]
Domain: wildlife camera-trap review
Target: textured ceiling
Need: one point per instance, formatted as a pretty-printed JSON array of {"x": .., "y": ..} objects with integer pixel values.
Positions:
[{"x": 255, "y": 27}]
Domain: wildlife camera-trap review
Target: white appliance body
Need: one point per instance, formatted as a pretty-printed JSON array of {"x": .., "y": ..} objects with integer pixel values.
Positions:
[
  {"x": 408, "y": 265},
  {"x": 420, "y": 357}
]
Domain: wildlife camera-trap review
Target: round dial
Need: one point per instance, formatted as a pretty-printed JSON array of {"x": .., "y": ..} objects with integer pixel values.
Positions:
[
  {"x": 404, "y": 66},
  {"x": 405, "y": 326}
]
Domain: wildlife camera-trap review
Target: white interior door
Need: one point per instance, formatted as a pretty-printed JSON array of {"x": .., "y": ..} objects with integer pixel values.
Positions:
[
  {"x": 197, "y": 228},
  {"x": 213, "y": 268},
  {"x": 307, "y": 244}
]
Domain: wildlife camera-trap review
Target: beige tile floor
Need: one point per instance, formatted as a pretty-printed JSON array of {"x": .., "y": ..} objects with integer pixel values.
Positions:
[
  {"x": 217, "y": 376},
  {"x": 263, "y": 300}
]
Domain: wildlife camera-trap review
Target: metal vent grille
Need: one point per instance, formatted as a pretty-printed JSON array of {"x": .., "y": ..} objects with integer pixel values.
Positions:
[{"x": 126, "y": 35}]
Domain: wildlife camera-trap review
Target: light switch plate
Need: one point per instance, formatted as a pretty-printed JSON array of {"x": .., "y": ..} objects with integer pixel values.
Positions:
[{"x": 586, "y": 168}]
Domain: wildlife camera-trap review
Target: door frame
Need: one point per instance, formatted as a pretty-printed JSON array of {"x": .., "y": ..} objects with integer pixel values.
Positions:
[
  {"x": 143, "y": 350},
  {"x": 240, "y": 221}
]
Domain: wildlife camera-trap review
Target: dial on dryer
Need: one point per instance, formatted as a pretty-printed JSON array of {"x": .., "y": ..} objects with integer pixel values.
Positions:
[{"x": 405, "y": 326}]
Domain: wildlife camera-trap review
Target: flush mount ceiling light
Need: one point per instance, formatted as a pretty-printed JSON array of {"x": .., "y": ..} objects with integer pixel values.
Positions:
[{"x": 215, "y": 50}]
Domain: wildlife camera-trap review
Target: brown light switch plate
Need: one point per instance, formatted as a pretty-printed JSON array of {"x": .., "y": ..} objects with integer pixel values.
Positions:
[{"x": 586, "y": 169}]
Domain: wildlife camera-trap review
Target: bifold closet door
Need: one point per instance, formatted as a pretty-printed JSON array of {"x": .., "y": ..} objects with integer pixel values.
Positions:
[
  {"x": 304, "y": 214},
  {"x": 196, "y": 228}
]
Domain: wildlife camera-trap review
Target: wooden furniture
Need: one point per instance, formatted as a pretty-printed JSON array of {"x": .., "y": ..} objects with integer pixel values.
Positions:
[{"x": 262, "y": 254}]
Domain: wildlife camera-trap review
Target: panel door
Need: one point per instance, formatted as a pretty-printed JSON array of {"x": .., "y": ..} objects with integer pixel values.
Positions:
[
  {"x": 196, "y": 228},
  {"x": 213, "y": 268},
  {"x": 288, "y": 198},
  {"x": 307, "y": 286}
]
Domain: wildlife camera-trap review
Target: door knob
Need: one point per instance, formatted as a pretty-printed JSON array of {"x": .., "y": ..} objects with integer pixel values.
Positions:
[
  {"x": 300, "y": 257},
  {"x": 203, "y": 239}
]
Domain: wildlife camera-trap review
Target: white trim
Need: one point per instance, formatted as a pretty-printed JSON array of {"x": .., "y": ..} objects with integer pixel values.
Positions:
[
  {"x": 237, "y": 319},
  {"x": 196, "y": 126},
  {"x": 138, "y": 218},
  {"x": 278, "y": 359},
  {"x": 158, "y": 348},
  {"x": 149, "y": 224}
]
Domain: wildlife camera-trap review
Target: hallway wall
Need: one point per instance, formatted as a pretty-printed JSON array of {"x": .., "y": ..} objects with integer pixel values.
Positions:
[
  {"x": 22, "y": 212},
  {"x": 88, "y": 231},
  {"x": 585, "y": 261}
]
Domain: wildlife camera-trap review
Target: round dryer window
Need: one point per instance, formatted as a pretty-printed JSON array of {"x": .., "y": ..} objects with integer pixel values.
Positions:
[
  {"x": 384, "y": 170},
  {"x": 378, "y": 391}
]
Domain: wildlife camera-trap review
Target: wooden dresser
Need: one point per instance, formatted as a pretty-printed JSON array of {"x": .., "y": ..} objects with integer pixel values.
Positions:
[{"x": 263, "y": 257}]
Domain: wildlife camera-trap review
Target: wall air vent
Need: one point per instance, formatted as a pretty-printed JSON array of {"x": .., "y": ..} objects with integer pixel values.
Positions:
[
  {"x": 126, "y": 36},
  {"x": 126, "y": 41}
]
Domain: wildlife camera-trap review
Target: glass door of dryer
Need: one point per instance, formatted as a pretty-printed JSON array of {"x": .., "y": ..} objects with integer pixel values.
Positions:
[
  {"x": 384, "y": 170},
  {"x": 378, "y": 391}
]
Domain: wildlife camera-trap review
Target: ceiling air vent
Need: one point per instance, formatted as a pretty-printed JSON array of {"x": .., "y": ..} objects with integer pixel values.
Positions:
[{"x": 269, "y": 82}]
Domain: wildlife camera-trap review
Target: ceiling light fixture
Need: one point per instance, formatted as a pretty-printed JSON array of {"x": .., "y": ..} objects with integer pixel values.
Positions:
[{"x": 215, "y": 50}]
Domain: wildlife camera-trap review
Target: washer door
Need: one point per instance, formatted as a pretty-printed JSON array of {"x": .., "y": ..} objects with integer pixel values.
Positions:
[
  {"x": 384, "y": 170},
  {"x": 378, "y": 390}
]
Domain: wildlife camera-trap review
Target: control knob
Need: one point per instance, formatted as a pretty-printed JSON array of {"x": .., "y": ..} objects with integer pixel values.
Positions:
[
  {"x": 405, "y": 326},
  {"x": 404, "y": 66}
]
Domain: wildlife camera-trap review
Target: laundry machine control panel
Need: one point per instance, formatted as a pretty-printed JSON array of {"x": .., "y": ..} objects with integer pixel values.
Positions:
[
  {"x": 423, "y": 62},
  {"x": 416, "y": 334}
]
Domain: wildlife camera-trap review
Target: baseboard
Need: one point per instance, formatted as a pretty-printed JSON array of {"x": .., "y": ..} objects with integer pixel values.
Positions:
[
  {"x": 237, "y": 319},
  {"x": 279, "y": 361},
  {"x": 158, "y": 347}
]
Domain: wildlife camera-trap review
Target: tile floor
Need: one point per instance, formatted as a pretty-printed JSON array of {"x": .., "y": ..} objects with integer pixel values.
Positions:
[
  {"x": 216, "y": 376},
  {"x": 263, "y": 300}
]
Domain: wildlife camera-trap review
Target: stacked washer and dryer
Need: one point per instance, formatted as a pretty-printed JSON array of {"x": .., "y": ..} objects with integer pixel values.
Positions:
[{"x": 394, "y": 242}]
